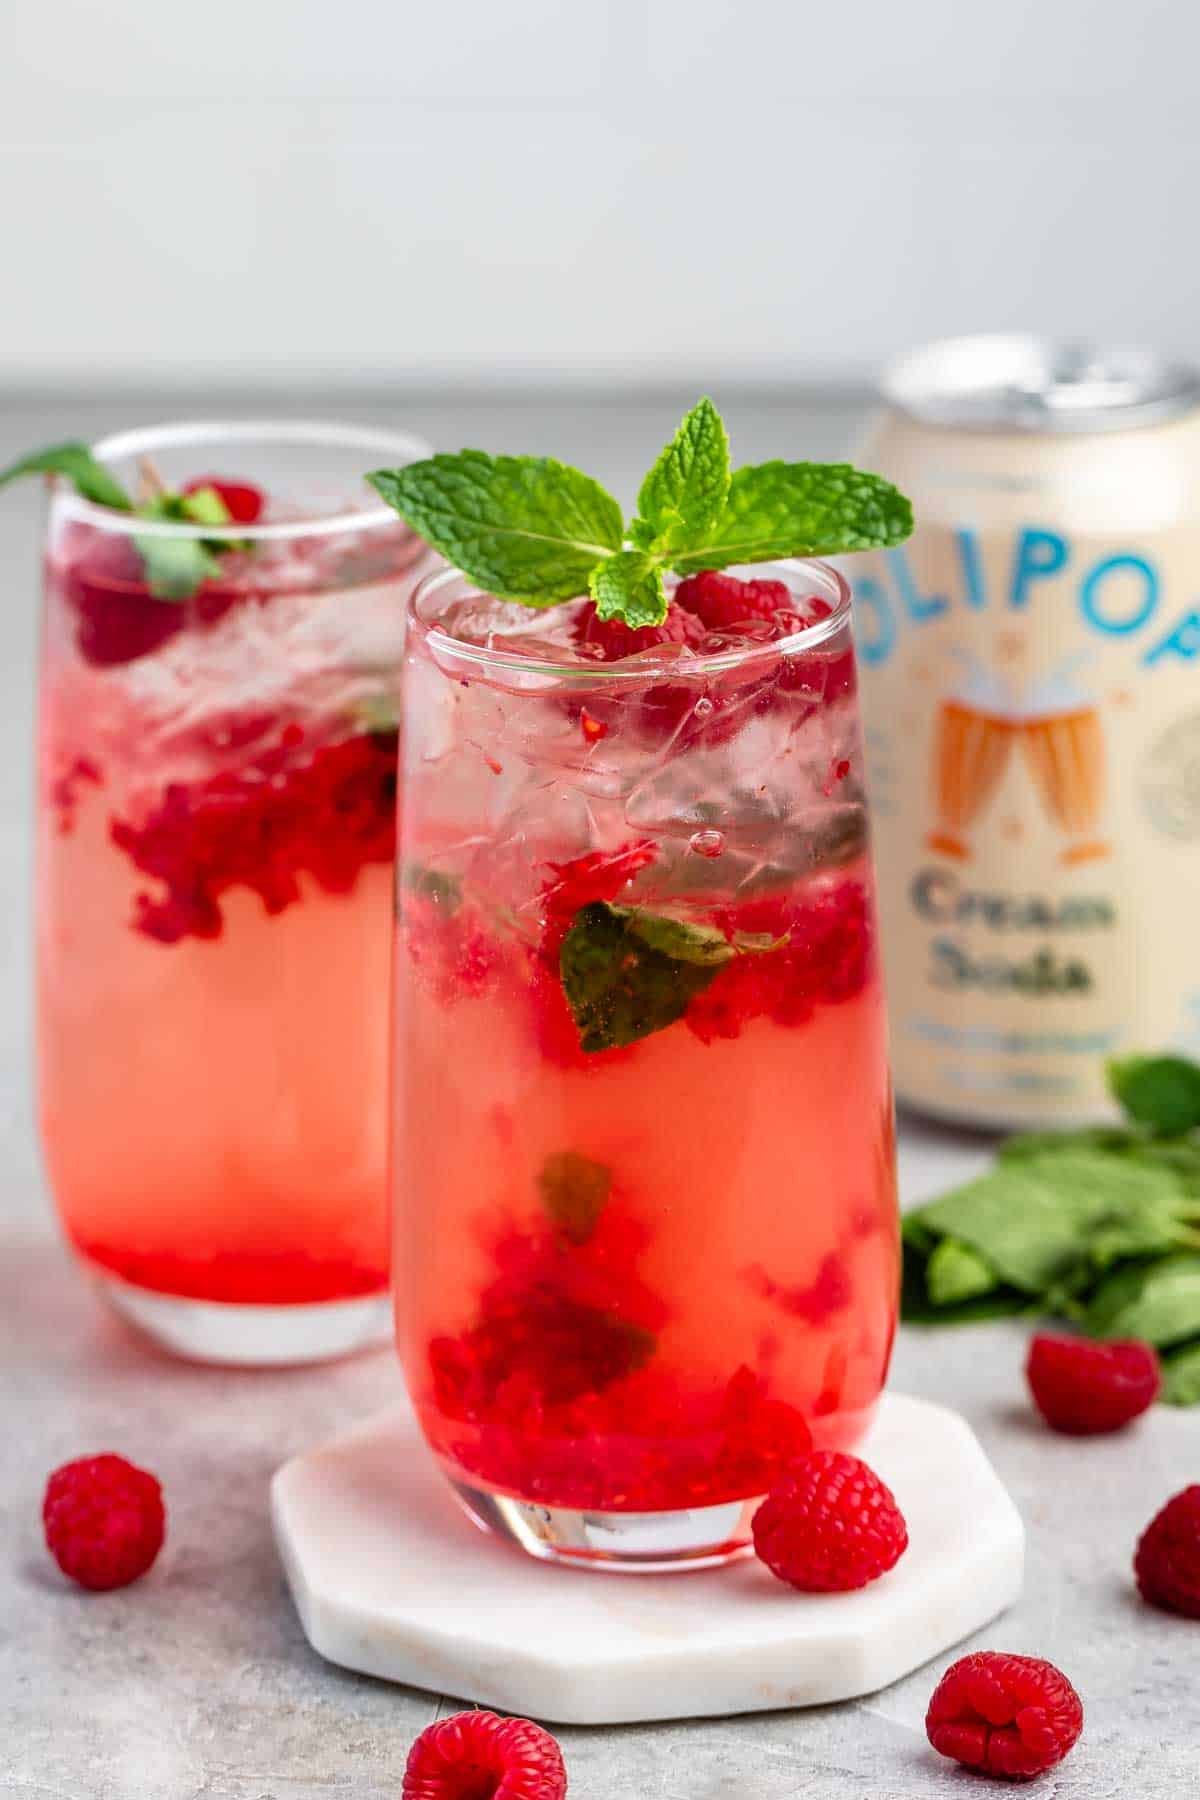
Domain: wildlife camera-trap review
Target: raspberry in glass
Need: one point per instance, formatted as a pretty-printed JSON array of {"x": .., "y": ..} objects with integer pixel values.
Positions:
[{"x": 723, "y": 602}]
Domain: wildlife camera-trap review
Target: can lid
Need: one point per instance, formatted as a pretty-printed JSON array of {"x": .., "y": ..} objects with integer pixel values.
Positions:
[{"x": 1034, "y": 384}]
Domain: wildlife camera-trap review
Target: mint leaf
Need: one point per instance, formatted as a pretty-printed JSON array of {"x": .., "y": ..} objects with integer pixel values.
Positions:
[
  {"x": 1160, "y": 1092},
  {"x": 1049, "y": 1224},
  {"x": 955, "y": 1273},
  {"x": 622, "y": 984},
  {"x": 203, "y": 506},
  {"x": 629, "y": 586},
  {"x": 444, "y": 890},
  {"x": 779, "y": 509},
  {"x": 1181, "y": 1376},
  {"x": 681, "y": 940},
  {"x": 683, "y": 496},
  {"x": 91, "y": 479},
  {"x": 1086, "y": 1137},
  {"x": 177, "y": 566},
  {"x": 525, "y": 528},
  {"x": 1158, "y": 1302},
  {"x": 574, "y": 1191}
]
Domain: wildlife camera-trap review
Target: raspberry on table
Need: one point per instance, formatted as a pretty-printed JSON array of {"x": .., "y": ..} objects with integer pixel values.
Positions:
[
  {"x": 1005, "y": 1715},
  {"x": 1082, "y": 1387},
  {"x": 615, "y": 639},
  {"x": 104, "y": 1520},
  {"x": 829, "y": 1525},
  {"x": 479, "y": 1756},
  {"x": 1167, "y": 1561}
]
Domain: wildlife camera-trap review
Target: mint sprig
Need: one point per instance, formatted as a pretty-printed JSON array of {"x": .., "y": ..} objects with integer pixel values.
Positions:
[
  {"x": 533, "y": 530},
  {"x": 176, "y": 567}
]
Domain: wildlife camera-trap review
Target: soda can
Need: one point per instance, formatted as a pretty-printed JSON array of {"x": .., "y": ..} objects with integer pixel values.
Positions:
[{"x": 1031, "y": 679}]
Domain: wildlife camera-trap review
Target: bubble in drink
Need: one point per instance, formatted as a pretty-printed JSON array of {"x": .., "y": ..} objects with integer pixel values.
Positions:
[{"x": 707, "y": 843}]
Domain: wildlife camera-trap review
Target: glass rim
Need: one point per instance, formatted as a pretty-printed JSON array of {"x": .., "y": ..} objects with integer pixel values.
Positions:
[
  {"x": 404, "y": 446},
  {"x": 681, "y": 660}
]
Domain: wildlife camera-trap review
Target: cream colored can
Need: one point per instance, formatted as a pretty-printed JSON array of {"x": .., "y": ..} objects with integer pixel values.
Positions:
[{"x": 1030, "y": 663}]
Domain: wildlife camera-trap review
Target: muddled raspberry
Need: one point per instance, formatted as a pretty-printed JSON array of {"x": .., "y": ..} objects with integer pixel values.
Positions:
[
  {"x": 830, "y": 1525},
  {"x": 1012, "y": 1716},
  {"x": 598, "y": 875},
  {"x": 816, "y": 1301},
  {"x": 723, "y": 602},
  {"x": 823, "y": 953},
  {"x": 1082, "y": 1388},
  {"x": 614, "y": 640},
  {"x": 64, "y": 790},
  {"x": 479, "y": 1756},
  {"x": 243, "y": 502},
  {"x": 554, "y": 1391},
  {"x": 261, "y": 826},
  {"x": 1167, "y": 1561},
  {"x": 104, "y": 1520}
]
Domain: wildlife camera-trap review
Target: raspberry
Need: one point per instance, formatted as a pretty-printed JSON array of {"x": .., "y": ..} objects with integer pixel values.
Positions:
[
  {"x": 478, "y": 1756},
  {"x": 104, "y": 1521},
  {"x": 722, "y": 602},
  {"x": 1082, "y": 1388},
  {"x": 1004, "y": 1715},
  {"x": 598, "y": 875},
  {"x": 825, "y": 953},
  {"x": 615, "y": 639},
  {"x": 1167, "y": 1562},
  {"x": 829, "y": 1524},
  {"x": 243, "y": 503},
  {"x": 116, "y": 619},
  {"x": 260, "y": 826}
]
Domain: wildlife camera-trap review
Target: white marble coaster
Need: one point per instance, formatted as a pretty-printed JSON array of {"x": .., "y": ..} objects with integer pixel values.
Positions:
[{"x": 391, "y": 1578}]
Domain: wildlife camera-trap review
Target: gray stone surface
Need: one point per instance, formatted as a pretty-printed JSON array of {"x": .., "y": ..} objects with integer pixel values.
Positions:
[{"x": 198, "y": 1685}]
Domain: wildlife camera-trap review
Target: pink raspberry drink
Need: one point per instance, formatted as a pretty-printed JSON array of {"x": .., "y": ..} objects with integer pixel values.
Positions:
[
  {"x": 216, "y": 840},
  {"x": 645, "y": 1213}
]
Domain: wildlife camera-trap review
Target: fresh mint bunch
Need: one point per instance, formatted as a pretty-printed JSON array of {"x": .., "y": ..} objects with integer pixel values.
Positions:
[
  {"x": 175, "y": 566},
  {"x": 1099, "y": 1226},
  {"x": 530, "y": 529}
]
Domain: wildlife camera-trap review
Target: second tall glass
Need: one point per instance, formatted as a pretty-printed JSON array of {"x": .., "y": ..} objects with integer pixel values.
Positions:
[
  {"x": 217, "y": 807},
  {"x": 645, "y": 1214}
]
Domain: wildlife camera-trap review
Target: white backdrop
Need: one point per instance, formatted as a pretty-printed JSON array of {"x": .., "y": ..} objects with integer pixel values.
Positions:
[{"x": 498, "y": 190}]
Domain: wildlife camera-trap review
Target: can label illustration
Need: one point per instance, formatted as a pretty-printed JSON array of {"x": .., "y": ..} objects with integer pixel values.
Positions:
[{"x": 1031, "y": 673}]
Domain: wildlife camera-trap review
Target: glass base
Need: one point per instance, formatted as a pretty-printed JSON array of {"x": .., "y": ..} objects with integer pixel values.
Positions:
[
  {"x": 626, "y": 1543},
  {"x": 258, "y": 1337}
]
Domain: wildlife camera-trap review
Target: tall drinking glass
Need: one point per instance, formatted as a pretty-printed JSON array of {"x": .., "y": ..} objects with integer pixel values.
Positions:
[
  {"x": 216, "y": 834},
  {"x": 644, "y": 1203}
]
